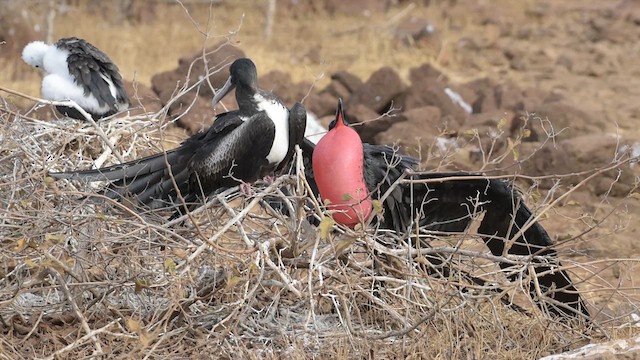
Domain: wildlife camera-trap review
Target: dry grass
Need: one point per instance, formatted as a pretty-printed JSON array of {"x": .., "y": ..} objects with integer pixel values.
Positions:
[
  {"x": 357, "y": 44},
  {"x": 82, "y": 278}
]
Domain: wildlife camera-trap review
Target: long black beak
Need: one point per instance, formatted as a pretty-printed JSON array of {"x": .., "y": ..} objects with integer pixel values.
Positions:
[{"x": 226, "y": 88}]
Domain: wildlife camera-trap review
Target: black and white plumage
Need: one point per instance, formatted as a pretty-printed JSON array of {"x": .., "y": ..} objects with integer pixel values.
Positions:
[
  {"x": 76, "y": 70},
  {"x": 289, "y": 130},
  {"x": 240, "y": 147},
  {"x": 450, "y": 205}
]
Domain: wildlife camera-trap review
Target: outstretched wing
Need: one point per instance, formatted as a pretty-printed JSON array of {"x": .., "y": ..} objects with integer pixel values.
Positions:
[
  {"x": 449, "y": 205},
  {"x": 383, "y": 166}
]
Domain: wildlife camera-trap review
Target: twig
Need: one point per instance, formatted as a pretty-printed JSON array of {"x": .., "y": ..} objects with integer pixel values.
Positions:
[
  {"x": 211, "y": 241},
  {"x": 72, "y": 104},
  {"x": 80, "y": 341},
  {"x": 79, "y": 315}
]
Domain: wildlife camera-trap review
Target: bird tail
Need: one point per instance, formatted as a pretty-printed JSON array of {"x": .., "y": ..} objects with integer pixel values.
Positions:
[{"x": 154, "y": 181}]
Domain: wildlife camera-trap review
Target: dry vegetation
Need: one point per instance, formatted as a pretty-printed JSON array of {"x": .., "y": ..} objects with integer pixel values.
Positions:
[{"x": 81, "y": 277}]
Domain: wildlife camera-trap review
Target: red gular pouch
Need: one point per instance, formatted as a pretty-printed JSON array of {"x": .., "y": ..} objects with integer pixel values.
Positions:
[{"x": 338, "y": 168}]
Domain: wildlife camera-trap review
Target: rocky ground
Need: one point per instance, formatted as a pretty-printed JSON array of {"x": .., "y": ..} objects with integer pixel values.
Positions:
[
  {"x": 552, "y": 91},
  {"x": 543, "y": 89}
]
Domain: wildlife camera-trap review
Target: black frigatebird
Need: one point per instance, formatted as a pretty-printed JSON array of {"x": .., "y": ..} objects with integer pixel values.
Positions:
[
  {"x": 349, "y": 174},
  {"x": 240, "y": 147},
  {"x": 76, "y": 70}
]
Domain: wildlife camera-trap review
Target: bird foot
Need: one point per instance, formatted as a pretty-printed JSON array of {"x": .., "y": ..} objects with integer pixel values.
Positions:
[
  {"x": 245, "y": 189},
  {"x": 269, "y": 179}
]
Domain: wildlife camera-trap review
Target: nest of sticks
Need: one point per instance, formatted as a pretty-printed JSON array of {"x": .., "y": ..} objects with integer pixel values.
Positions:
[{"x": 83, "y": 275}]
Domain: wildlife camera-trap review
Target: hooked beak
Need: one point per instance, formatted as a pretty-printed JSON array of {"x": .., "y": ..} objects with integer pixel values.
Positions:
[
  {"x": 339, "y": 120},
  {"x": 224, "y": 90}
]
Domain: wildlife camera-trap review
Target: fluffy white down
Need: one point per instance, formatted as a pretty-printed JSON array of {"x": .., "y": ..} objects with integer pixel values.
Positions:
[
  {"x": 33, "y": 53},
  {"x": 280, "y": 116},
  {"x": 58, "y": 84},
  {"x": 59, "y": 88}
]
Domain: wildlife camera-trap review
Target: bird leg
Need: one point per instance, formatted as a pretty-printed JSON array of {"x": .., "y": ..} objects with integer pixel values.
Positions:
[{"x": 245, "y": 189}]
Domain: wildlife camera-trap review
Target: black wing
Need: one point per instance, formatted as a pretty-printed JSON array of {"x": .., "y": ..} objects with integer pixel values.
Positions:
[
  {"x": 383, "y": 166},
  {"x": 87, "y": 64},
  {"x": 150, "y": 180},
  {"x": 239, "y": 155},
  {"x": 450, "y": 205}
]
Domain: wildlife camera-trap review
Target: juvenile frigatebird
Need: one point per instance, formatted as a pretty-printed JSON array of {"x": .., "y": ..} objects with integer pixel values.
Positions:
[
  {"x": 349, "y": 174},
  {"x": 240, "y": 147},
  {"x": 76, "y": 70}
]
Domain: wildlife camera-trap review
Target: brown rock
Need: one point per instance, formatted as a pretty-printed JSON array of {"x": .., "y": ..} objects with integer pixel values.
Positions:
[
  {"x": 432, "y": 93},
  {"x": 578, "y": 154},
  {"x": 489, "y": 118},
  {"x": 509, "y": 96},
  {"x": 326, "y": 120},
  {"x": 368, "y": 123},
  {"x": 322, "y": 104},
  {"x": 419, "y": 123},
  {"x": 404, "y": 135},
  {"x": 280, "y": 84},
  {"x": 275, "y": 81},
  {"x": 426, "y": 73},
  {"x": 468, "y": 94},
  {"x": 486, "y": 98},
  {"x": 195, "y": 113},
  {"x": 165, "y": 84},
  {"x": 143, "y": 99},
  {"x": 426, "y": 118},
  {"x": 377, "y": 93},
  {"x": 564, "y": 115},
  {"x": 486, "y": 102},
  {"x": 337, "y": 90},
  {"x": 533, "y": 97},
  {"x": 520, "y": 127},
  {"x": 349, "y": 80},
  {"x": 314, "y": 55},
  {"x": 218, "y": 58}
]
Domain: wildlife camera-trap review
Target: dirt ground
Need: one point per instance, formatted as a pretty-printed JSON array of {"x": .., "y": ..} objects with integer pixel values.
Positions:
[{"x": 584, "y": 51}]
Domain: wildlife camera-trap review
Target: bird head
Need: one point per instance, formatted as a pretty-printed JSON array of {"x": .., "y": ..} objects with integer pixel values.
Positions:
[
  {"x": 33, "y": 54},
  {"x": 242, "y": 73}
]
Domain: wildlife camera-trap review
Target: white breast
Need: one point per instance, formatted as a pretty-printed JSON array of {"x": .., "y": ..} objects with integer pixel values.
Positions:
[
  {"x": 59, "y": 88},
  {"x": 55, "y": 62},
  {"x": 280, "y": 116}
]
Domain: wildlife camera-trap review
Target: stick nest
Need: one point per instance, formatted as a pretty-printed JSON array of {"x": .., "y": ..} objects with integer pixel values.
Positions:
[{"x": 235, "y": 279}]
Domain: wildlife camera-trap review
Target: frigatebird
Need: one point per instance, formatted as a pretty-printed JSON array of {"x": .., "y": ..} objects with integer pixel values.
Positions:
[
  {"x": 350, "y": 173},
  {"x": 241, "y": 146},
  {"x": 76, "y": 70}
]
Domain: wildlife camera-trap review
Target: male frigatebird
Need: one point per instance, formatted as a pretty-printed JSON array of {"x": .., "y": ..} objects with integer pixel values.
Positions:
[
  {"x": 349, "y": 174},
  {"x": 240, "y": 147},
  {"x": 76, "y": 70}
]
